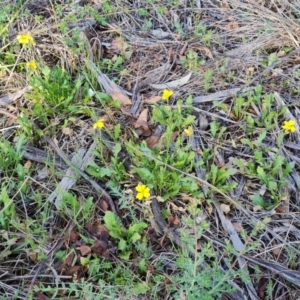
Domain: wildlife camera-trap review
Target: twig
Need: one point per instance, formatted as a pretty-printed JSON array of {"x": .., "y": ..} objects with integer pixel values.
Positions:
[{"x": 95, "y": 185}]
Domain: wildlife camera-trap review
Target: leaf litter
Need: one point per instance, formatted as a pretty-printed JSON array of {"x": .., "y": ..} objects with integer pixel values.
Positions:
[{"x": 230, "y": 64}]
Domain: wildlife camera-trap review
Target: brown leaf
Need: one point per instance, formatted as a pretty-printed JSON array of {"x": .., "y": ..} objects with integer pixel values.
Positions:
[
  {"x": 40, "y": 296},
  {"x": 152, "y": 141},
  {"x": 142, "y": 120},
  {"x": 74, "y": 236},
  {"x": 76, "y": 271},
  {"x": 225, "y": 208},
  {"x": 84, "y": 250},
  {"x": 103, "y": 204},
  {"x": 97, "y": 229},
  {"x": 67, "y": 131},
  {"x": 237, "y": 226},
  {"x": 173, "y": 220},
  {"x": 118, "y": 45},
  {"x": 100, "y": 246},
  {"x": 124, "y": 100},
  {"x": 152, "y": 100},
  {"x": 66, "y": 263},
  {"x": 232, "y": 26}
]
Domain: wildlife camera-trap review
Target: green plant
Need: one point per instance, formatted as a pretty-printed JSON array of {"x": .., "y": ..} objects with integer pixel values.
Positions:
[
  {"x": 53, "y": 91},
  {"x": 197, "y": 279},
  {"x": 217, "y": 130},
  {"x": 271, "y": 172},
  {"x": 115, "y": 170},
  {"x": 126, "y": 238},
  {"x": 152, "y": 164},
  {"x": 191, "y": 61},
  {"x": 207, "y": 79}
]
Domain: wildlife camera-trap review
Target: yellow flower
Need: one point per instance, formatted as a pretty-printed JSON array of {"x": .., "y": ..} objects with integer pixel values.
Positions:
[
  {"x": 143, "y": 191},
  {"x": 166, "y": 94},
  {"x": 289, "y": 126},
  {"x": 99, "y": 124},
  {"x": 189, "y": 131},
  {"x": 31, "y": 65},
  {"x": 25, "y": 39}
]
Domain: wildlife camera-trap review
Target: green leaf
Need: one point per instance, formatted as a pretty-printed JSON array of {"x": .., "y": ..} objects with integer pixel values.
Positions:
[
  {"x": 84, "y": 261},
  {"x": 247, "y": 142},
  {"x": 136, "y": 228},
  {"x": 125, "y": 255},
  {"x": 113, "y": 226},
  {"x": 117, "y": 131},
  {"x": 288, "y": 169},
  {"x": 144, "y": 173},
  {"x": 222, "y": 130},
  {"x": 258, "y": 156},
  {"x": 140, "y": 288},
  {"x": 214, "y": 173},
  {"x": 189, "y": 120},
  {"x": 143, "y": 265},
  {"x": 261, "y": 174},
  {"x": 272, "y": 185},
  {"x": 258, "y": 200},
  {"x": 117, "y": 148},
  {"x": 122, "y": 245},
  {"x": 277, "y": 165},
  {"x": 189, "y": 100},
  {"x": 261, "y": 137},
  {"x": 225, "y": 174},
  {"x": 135, "y": 237},
  {"x": 214, "y": 126}
]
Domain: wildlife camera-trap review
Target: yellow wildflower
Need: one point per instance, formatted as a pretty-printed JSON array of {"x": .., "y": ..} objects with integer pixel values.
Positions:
[
  {"x": 289, "y": 126},
  {"x": 31, "y": 65},
  {"x": 189, "y": 131},
  {"x": 26, "y": 39},
  {"x": 166, "y": 94},
  {"x": 99, "y": 124},
  {"x": 143, "y": 191}
]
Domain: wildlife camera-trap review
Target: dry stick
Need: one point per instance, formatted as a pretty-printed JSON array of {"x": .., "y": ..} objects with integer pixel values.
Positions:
[
  {"x": 95, "y": 185},
  {"x": 238, "y": 245}
]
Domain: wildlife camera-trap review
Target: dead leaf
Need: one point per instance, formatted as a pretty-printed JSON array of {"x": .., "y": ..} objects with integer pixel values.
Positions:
[
  {"x": 40, "y": 296},
  {"x": 103, "y": 204},
  {"x": 237, "y": 226},
  {"x": 173, "y": 84},
  {"x": 277, "y": 250},
  {"x": 76, "y": 271},
  {"x": 201, "y": 217},
  {"x": 67, "y": 131},
  {"x": 232, "y": 26},
  {"x": 152, "y": 141},
  {"x": 97, "y": 229},
  {"x": 118, "y": 45},
  {"x": 142, "y": 120},
  {"x": 225, "y": 208},
  {"x": 73, "y": 237},
  {"x": 66, "y": 263},
  {"x": 281, "y": 53},
  {"x": 100, "y": 246},
  {"x": 152, "y": 100},
  {"x": 28, "y": 165},
  {"x": 173, "y": 220},
  {"x": 257, "y": 208},
  {"x": 84, "y": 250},
  {"x": 160, "y": 34},
  {"x": 124, "y": 100}
]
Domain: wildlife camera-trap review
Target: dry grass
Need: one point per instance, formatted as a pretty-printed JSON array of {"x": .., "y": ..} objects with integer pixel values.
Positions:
[{"x": 235, "y": 39}]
